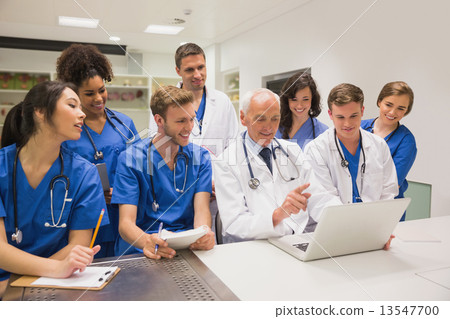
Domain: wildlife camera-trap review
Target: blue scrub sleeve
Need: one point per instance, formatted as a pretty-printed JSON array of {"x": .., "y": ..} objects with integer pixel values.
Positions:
[
  {"x": 126, "y": 183},
  {"x": 2, "y": 209},
  {"x": 89, "y": 201},
  {"x": 204, "y": 183},
  {"x": 404, "y": 157}
]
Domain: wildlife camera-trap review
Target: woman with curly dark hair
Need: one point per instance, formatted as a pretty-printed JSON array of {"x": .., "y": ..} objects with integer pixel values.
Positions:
[
  {"x": 300, "y": 105},
  {"x": 106, "y": 133}
]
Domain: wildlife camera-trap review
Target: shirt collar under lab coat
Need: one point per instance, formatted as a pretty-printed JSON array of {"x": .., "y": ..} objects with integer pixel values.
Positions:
[{"x": 254, "y": 147}]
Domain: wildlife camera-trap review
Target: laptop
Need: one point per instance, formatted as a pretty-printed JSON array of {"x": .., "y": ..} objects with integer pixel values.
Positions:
[{"x": 346, "y": 229}]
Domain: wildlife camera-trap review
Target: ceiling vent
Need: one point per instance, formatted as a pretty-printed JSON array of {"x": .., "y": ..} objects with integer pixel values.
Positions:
[{"x": 175, "y": 21}]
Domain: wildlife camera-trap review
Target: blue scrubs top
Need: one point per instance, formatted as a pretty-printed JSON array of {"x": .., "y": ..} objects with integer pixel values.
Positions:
[
  {"x": 111, "y": 143},
  {"x": 353, "y": 165},
  {"x": 402, "y": 145},
  {"x": 306, "y": 133},
  {"x": 33, "y": 205},
  {"x": 133, "y": 186}
]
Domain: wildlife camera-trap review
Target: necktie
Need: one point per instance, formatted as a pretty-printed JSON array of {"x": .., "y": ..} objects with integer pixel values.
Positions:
[{"x": 266, "y": 155}]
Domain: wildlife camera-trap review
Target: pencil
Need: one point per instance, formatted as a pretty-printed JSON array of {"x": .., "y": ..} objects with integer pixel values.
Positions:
[{"x": 96, "y": 228}]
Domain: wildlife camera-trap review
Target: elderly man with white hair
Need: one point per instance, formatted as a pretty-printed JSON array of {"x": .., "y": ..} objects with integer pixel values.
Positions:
[{"x": 264, "y": 186}]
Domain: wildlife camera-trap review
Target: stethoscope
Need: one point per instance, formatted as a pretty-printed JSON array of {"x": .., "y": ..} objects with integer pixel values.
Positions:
[
  {"x": 313, "y": 128},
  {"x": 98, "y": 155},
  {"x": 344, "y": 162},
  {"x": 197, "y": 129},
  {"x": 18, "y": 236},
  {"x": 155, "y": 205},
  {"x": 254, "y": 182},
  {"x": 392, "y": 134}
]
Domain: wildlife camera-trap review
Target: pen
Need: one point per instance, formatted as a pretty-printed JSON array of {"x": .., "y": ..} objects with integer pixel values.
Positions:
[
  {"x": 96, "y": 228},
  {"x": 159, "y": 236}
]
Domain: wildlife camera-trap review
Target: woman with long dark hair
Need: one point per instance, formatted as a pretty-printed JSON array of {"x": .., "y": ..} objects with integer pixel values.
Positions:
[
  {"x": 300, "y": 105},
  {"x": 50, "y": 198}
]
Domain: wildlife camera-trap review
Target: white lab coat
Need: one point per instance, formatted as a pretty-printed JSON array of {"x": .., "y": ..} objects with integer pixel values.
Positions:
[
  {"x": 246, "y": 213},
  {"x": 380, "y": 178},
  {"x": 219, "y": 127}
]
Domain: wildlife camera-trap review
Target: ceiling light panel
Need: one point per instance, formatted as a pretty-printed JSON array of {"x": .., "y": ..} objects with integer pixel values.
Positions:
[
  {"x": 78, "y": 22},
  {"x": 163, "y": 29}
]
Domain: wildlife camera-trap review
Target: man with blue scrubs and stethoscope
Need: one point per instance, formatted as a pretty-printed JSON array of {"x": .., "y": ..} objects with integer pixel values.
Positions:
[
  {"x": 164, "y": 179},
  {"x": 50, "y": 197},
  {"x": 348, "y": 160},
  {"x": 264, "y": 186}
]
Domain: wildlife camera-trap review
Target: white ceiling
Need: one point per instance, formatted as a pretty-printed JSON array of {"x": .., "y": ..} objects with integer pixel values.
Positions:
[{"x": 211, "y": 21}]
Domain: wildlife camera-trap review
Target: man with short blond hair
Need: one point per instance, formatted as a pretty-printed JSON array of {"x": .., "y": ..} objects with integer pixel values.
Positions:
[{"x": 164, "y": 179}]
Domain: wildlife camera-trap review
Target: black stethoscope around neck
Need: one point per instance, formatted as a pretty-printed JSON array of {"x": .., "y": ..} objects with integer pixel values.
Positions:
[
  {"x": 17, "y": 236},
  {"x": 155, "y": 204},
  {"x": 254, "y": 182},
  {"x": 98, "y": 155},
  {"x": 313, "y": 127},
  {"x": 393, "y": 132},
  {"x": 344, "y": 162}
]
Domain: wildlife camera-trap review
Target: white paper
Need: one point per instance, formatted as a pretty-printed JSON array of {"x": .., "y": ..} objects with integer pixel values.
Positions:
[
  {"x": 92, "y": 277},
  {"x": 182, "y": 240},
  {"x": 411, "y": 234}
]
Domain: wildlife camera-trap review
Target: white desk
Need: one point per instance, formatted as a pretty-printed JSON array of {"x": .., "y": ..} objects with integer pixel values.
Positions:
[{"x": 257, "y": 270}]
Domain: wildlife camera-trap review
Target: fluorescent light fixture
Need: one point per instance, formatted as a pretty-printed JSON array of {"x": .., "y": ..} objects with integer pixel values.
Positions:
[
  {"x": 78, "y": 22},
  {"x": 163, "y": 29},
  {"x": 113, "y": 38}
]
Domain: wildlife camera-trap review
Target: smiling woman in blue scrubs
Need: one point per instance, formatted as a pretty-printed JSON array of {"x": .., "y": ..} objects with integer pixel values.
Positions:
[
  {"x": 164, "y": 179},
  {"x": 35, "y": 220},
  {"x": 106, "y": 133},
  {"x": 395, "y": 101},
  {"x": 300, "y": 105}
]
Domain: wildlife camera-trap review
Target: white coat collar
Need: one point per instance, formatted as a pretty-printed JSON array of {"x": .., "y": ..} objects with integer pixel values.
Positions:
[
  {"x": 210, "y": 94},
  {"x": 332, "y": 142}
]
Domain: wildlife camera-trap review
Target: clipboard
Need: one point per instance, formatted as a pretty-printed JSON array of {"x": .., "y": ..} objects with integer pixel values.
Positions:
[
  {"x": 27, "y": 281},
  {"x": 103, "y": 172}
]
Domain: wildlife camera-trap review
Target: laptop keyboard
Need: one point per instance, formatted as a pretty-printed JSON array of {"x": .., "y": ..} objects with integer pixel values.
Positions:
[{"x": 301, "y": 246}]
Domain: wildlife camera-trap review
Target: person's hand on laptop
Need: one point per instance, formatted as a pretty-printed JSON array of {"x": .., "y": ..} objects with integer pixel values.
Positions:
[{"x": 388, "y": 244}]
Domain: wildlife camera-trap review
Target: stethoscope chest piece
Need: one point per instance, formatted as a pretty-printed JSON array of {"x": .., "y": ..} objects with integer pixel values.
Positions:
[
  {"x": 344, "y": 163},
  {"x": 253, "y": 183},
  {"x": 155, "y": 206},
  {"x": 98, "y": 155},
  {"x": 17, "y": 236}
]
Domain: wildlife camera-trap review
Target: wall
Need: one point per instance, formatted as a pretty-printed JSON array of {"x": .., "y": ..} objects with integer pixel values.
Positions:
[
  {"x": 154, "y": 65},
  {"x": 34, "y": 60},
  {"x": 395, "y": 40}
]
